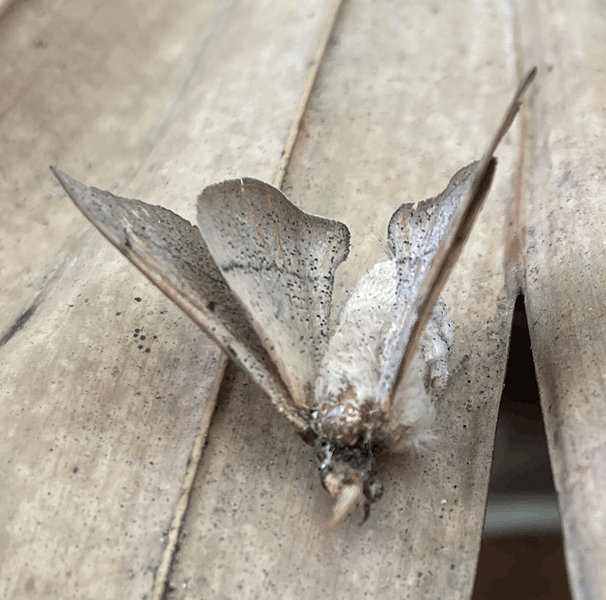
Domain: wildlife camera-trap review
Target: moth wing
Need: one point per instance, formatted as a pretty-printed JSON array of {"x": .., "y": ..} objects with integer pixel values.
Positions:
[
  {"x": 427, "y": 243},
  {"x": 280, "y": 261},
  {"x": 172, "y": 254},
  {"x": 415, "y": 232}
]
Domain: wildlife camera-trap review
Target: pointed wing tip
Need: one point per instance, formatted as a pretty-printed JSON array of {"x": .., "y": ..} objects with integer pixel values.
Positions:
[
  {"x": 530, "y": 76},
  {"x": 509, "y": 117},
  {"x": 73, "y": 187},
  {"x": 63, "y": 178}
]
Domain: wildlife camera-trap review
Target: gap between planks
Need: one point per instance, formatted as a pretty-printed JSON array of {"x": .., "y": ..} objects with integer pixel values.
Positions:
[{"x": 193, "y": 462}]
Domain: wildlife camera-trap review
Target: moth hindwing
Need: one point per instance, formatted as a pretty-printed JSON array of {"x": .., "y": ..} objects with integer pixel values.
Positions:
[{"x": 257, "y": 275}]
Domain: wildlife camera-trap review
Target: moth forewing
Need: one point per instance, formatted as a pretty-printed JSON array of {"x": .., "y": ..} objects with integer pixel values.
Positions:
[
  {"x": 427, "y": 241},
  {"x": 172, "y": 254},
  {"x": 407, "y": 334},
  {"x": 280, "y": 262},
  {"x": 432, "y": 274}
]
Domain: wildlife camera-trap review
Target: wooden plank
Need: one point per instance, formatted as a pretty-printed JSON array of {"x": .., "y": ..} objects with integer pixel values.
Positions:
[
  {"x": 77, "y": 93},
  {"x": 99, "y": 422},
  {"x": 564, "y": 221},
  {"x": 406, "y": 95}
]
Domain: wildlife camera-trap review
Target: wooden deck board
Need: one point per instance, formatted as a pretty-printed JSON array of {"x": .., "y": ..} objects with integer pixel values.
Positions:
[
  {"x": 98, "y": 431},
  {"x": 565, "y": 256},
  {"x": 88, "y": 87}
]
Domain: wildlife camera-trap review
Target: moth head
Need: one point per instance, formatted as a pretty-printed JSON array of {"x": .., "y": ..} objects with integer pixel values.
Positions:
[{"x": 348, "y": 475}]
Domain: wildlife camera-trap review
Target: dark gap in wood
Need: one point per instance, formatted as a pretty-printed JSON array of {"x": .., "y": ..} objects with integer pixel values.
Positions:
[
  {"x": 522, "y": 551},
  {"x": 520, "y": 462}
]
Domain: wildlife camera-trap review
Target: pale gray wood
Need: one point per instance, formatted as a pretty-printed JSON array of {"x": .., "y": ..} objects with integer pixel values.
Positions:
[
  {"x": 404, "y": 99},
  {"x": 88, "y": 86},
  {"x": 97, "y": 430},
  {"x": 5, "y": 5},
  {"x": 563, "y": 225}
]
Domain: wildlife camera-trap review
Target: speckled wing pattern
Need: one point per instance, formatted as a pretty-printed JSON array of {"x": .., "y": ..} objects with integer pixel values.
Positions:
[
  {"x": 415, "y": 235},
  {"x": 427, "y": 243},
  {"x": 415, "y": 232},
  {"x": 281, "y": 261},
  {"x": 172, "y": 254}
]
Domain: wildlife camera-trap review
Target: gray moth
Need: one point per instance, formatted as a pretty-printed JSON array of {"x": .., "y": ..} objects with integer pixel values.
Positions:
[{"x": 257, "y": 275}]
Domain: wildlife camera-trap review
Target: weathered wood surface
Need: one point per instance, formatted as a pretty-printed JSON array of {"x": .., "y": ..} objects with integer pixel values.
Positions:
[
  {"x": 165, "y": 100},
  {"x": 565, "y": 263},
  {"x": 5, "y": 6},
  {"x": 78, "y": 91},
  {"x": 97, "y": 430}
]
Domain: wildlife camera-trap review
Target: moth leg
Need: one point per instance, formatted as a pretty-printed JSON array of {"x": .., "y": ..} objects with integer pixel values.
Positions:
[{"x": 373, "y": 491}]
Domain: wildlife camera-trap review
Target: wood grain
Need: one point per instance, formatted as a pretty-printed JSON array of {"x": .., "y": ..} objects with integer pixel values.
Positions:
[
  {"x": 384, "y": 125},
  {"x": 99, "y": 422},
  {"x": 89, "y": 88},
  {"x": 564, "y": 219},
  {"x": 156, "y": 102}
]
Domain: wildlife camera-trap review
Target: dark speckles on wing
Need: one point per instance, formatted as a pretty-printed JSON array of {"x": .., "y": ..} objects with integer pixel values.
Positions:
[
  {"x": 280, "y": 261},
  {"x": 415, "y": 232},
  {"x": 172, "y": 253}
]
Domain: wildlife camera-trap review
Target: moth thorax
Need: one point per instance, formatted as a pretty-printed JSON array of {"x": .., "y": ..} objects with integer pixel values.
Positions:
[{"x": 347, "y": 419}]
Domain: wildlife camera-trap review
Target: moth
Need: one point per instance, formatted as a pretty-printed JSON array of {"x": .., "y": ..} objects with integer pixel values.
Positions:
[{"x": 257, "y": 275}]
